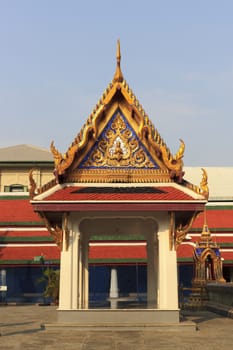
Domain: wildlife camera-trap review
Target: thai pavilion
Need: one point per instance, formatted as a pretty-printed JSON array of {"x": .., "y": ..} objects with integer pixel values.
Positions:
[{"x": 118, "y": 178}]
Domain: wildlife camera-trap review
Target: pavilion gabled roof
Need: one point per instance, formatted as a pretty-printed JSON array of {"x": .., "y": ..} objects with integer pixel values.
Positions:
[{"x": 119, "y": 144}]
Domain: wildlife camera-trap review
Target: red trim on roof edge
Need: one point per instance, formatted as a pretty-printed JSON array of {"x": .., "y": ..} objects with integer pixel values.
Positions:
[{"x": 61, "y": 207}]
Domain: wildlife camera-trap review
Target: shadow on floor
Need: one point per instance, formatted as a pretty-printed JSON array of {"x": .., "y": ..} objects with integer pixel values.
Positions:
[{"x": 198, "y": 316}]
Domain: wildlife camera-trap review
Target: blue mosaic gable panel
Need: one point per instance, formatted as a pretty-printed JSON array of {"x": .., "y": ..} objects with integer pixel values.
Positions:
[
  {"x": 199, "y": 251},
  {"x": 118, "y": 147}
]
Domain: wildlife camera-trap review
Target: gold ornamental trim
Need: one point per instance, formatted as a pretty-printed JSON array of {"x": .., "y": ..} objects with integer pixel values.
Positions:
[
  {"x": 32, "y": 185},
  {"x": 34, "y": 190},
  {"x": 66, "y": 231},
  {"x": 182, "y": 229},
  {"x": 204, "y": 184},
  {"x": 58, "y": 233},
  {"x": 119, "y": 176},
  {"x": 203, "y": 189},
  {"x": 172, "y": 231},
  {"x": 55, "y": 231}
]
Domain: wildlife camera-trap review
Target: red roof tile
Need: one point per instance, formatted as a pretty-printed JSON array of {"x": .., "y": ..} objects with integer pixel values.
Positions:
[
  {"x": 215, "y": 219},
  {"x": 72, "y": 193},
  {"x": 116, "y": 252},
  {"x": 185, "y": 251},
  {"x": 223, "y": 238},
  {"x": 227, "y": 255},
  {"x": 24, "y": 233},
  {"x": 28, "y": 253},
  {"x": 95, "y": 252},
  {"x": 17, "y": 210}
]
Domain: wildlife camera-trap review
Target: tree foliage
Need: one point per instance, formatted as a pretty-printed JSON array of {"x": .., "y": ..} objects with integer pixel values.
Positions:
[{"x": 51, "y": 279}]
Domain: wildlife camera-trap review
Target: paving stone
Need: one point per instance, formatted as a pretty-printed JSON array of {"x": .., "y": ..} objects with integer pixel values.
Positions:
[{"x": 20, "y": 327}]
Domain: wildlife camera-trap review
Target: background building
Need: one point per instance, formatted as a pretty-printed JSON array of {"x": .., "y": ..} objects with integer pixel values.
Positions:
[
  {"x": 27, "y": 248},
  {"x": 23, "y": 237}
]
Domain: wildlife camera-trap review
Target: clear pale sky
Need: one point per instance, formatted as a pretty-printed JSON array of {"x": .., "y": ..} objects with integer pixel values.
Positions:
[{"x": 57, "y": 57}]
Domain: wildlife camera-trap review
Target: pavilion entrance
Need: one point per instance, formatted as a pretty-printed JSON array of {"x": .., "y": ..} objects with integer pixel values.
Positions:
[
  {"x": 122, "y": 285},
  {"x": 162, "y": 297}
]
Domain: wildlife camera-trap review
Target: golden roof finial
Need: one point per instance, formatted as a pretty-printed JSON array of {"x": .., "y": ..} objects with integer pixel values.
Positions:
[
  {"x": 206, "y": 237},
  {"x": 118, "y": 77}
]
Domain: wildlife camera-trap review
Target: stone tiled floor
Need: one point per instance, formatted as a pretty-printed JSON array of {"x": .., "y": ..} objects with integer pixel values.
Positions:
[{"x": 20, "y": 329}]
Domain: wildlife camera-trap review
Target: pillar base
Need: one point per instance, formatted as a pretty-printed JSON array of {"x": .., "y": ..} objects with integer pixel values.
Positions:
[{"x": 124, "y": 320}]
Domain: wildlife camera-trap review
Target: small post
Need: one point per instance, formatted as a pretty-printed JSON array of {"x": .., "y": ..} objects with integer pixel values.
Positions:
[{"x": 114, "y": 293}]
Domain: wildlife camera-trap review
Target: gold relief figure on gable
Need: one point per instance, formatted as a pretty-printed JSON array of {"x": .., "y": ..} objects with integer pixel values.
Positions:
[
  {"x": 118, "y": 124},
  {"x": 118, "y": 147}
]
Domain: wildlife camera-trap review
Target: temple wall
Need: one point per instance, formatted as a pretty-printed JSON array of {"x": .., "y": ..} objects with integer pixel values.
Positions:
[
  {"x": 221, "y": 293},
  {"x": 220, "y": 298}
]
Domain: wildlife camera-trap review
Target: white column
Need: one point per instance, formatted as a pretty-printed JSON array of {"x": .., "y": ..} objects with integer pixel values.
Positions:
[
  {"x": 168, "y": 285},
  {"x": 152, "y": 270},
  {"x": 85, "y": 272},
  {"x": 65, "y": 287},
  {"x": 69, "y": 293},
  {"x": 80, "y": 273},
  {"x": 74, "y": 268}
]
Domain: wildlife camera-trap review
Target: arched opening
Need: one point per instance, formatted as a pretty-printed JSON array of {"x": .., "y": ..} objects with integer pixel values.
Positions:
[
  {"x": 122, "y": 261},
  {"x": 209, "y": 268}
]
